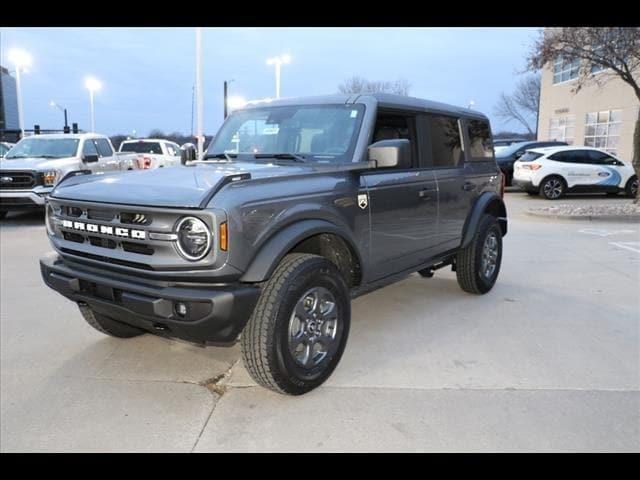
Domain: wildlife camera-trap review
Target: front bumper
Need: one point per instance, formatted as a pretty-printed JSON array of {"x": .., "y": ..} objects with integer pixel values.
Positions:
[
  {"x": 23, "y": 199},
  {"x": 216, "y": 314}
]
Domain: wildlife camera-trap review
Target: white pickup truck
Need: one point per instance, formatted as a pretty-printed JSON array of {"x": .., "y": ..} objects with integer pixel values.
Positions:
[
  {"x": 153, "y": 152},
  {"x": 34, "y": 165}
]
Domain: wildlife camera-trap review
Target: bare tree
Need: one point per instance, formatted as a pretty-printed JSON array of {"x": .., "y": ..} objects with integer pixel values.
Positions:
[
  {"x": 522, "y": 105},
  {"x": 615, "y": 50},
  {"x": 358, "y": 84}
]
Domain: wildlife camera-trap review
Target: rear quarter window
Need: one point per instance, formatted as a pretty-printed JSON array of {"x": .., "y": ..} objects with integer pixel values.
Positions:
[{"x": 480, "y": 143}]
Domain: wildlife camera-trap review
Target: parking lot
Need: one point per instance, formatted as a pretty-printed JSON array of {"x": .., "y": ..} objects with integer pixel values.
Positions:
[{"x": 548, "y": 360}]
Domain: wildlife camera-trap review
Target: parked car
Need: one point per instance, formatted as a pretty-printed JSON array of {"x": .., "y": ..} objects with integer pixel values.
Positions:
[
  {"x": 507, "y": 157},
  {"x": 554, "y": 171},
  {"x": 298, "y": 206},
  {"x": 4, "y": 148},
  {"x": 502, "y": 143},
  {"x": 154, "y": 153},
  {"x": 37, "y": 163}
]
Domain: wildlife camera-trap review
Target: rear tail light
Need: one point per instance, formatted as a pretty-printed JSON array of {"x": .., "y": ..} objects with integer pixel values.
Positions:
[
  {"x": 531, "y": 166},
  {"x": 144, "y": 162}
]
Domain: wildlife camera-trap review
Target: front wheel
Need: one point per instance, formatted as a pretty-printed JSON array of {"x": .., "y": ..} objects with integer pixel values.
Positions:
[
  {"x": 478, "y": 264},
  {"x": 552, "y": 187},
  {"x": 298, "y": 330}
]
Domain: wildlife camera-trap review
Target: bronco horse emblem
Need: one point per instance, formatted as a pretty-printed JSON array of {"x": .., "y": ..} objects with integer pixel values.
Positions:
[{"x": 363, "y": 201}]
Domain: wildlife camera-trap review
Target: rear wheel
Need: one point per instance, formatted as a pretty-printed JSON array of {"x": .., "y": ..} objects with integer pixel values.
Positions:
[
  {"x": 631, "y": 189},
  {"x": 107, "y": 325},
  {"x": 552, "y": 187},
  {"x": 298, "y": 330},
  {"x": 478, "y": 265}
]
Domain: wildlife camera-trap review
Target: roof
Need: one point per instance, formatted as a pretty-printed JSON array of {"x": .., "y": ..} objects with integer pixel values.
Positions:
[
  {"x": 383, "y": 99},
  {"x": 147, "y": 140},
  {"x": 560, "y": 148},
  {"x": 68, "y": 135}
]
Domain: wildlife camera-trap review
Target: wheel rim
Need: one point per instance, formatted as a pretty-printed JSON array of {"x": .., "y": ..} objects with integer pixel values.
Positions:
[
  {"x": 490, "y": 255},
  {"x": 313, "y": 327},
  {"x": 553, "y": 188}
]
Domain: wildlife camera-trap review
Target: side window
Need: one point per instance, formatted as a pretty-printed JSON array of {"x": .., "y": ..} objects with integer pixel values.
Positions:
[
  {"x": 570, "y": 156},
  {"x": 391, "y": 126},
  {"x": 103, "y": 147},
  {"x": 479, "y": 139},
  {"x": 89, "y": 148},
  {"x": 600, "y": 158},
  {"x": 443, "y": 142}
]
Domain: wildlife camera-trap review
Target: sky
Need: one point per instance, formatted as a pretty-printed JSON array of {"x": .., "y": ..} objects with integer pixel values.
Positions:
[{"x": 148, "y": 73}]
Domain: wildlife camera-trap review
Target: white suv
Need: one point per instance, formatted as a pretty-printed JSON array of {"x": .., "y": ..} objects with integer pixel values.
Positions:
[{"x": 554, "y": 171}]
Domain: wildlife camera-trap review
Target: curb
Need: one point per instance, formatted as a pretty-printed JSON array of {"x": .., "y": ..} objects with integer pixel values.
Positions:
[{"x": 632, "y": 218}]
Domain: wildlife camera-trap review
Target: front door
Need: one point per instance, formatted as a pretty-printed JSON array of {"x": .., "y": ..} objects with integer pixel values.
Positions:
[{"x": 402, "y": 202}]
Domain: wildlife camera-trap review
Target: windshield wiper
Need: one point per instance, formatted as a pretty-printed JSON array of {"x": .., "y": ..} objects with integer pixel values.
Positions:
[
  {"x": 281, "y": 156},
  {"x": 224, "y": 155}
]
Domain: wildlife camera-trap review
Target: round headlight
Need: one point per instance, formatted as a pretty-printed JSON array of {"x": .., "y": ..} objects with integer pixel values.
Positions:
[{"x": 194, "y": 238}]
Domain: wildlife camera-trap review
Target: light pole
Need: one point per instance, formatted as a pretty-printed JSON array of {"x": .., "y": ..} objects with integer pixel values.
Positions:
[
  {"x": 21, "y": 59},
  {"x": 225, "y": 95},
  {"x": 93, "y": 85},
  {"x": 60, "y": 107},
  {"x": 199, "y": 99},
  {"x": 278, "y": 62},
  {"x": 471, "y": 103}
]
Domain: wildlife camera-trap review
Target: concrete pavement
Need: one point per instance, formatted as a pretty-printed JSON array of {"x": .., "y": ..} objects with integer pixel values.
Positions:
[{"x": 548, "y": 360}]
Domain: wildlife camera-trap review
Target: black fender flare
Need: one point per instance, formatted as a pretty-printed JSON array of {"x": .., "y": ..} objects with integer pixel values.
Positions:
[
  {"x": 487, "y": 202},
  {"x": 280, "y": 243}
]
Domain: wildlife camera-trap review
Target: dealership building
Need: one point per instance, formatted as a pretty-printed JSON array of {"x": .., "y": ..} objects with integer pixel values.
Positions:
[{"x": 601, "y": 116}]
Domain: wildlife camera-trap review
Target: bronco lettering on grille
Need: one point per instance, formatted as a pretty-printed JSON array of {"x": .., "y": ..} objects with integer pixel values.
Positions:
[{"x": 105, "y": 229}]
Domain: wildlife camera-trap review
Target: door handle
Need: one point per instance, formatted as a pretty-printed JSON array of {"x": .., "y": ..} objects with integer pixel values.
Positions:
[
  {"x": 424, "y": 194},
  {"x": 468, "y": 186}
]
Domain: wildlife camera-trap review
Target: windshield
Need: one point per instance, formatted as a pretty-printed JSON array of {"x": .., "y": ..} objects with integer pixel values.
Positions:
[
  {"x": 323, "y": 133},
  {"x": 44, "y": 148},
  {"x": 141, "y": 147},
  {"x": 3, "y": 149}
]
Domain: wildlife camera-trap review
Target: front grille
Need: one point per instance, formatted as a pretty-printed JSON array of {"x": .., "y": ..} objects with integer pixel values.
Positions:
[
  {"x": 102, "y": 242},
  {"x": 73, "y": 237},
  {"x": 137, "y": 248},
  {"x": 16, "y": 201},
  {"x": 17, "y": 180},
  {"x": 102, "y": 215}
]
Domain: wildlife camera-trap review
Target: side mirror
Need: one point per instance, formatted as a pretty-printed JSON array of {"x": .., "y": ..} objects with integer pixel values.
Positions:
[
  {"x": 190, "y": 152},
  {"x": 391, "y": 153},
  {"x": 90, "y": 158}
]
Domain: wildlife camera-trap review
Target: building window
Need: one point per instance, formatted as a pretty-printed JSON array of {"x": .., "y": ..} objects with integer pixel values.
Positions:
[
  {"x": 602, "y": 130},
  {"x": 562, "y": 129},
  {"x": 565, "y": 69}
]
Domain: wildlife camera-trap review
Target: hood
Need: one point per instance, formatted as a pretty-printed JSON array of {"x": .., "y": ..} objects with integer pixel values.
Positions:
[
  {"x": 37, "y": 163},
  {"x": 182, "y": 187}
]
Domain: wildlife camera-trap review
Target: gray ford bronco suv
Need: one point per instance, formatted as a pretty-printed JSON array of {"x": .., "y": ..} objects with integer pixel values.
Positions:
[{"x": 298, "y": 206}]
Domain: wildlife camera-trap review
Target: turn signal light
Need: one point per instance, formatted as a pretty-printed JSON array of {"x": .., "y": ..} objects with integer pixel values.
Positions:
[
  {"x": 224, "y": 239},
  {"x": 532, "y": 166}
]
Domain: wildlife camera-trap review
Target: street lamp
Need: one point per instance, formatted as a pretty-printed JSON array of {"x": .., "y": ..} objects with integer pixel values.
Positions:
[
  {"x": 93, "y": 85},
  {"x": 471, "y": 103},
  {"x": 53, "y": 104},
  {"x": 278, "y": 62},
  {"x": 21, "y": 60}
]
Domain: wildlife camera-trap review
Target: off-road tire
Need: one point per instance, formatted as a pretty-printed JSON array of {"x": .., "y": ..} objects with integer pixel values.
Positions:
[
  {"x": 107, "y": 325},
  {"x": 264, "y": 347},
  {"x": 547, "y": 194},
  {"x": 628, "y": 189},
  {"x": 469, "y": 260}
]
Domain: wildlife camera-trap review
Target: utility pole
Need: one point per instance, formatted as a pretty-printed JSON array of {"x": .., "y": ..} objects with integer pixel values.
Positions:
[{"x": 199, "y": 106}]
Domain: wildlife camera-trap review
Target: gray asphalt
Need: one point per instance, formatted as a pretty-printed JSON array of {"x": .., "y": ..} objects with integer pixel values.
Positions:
[{"x": 549, "y": 360}]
